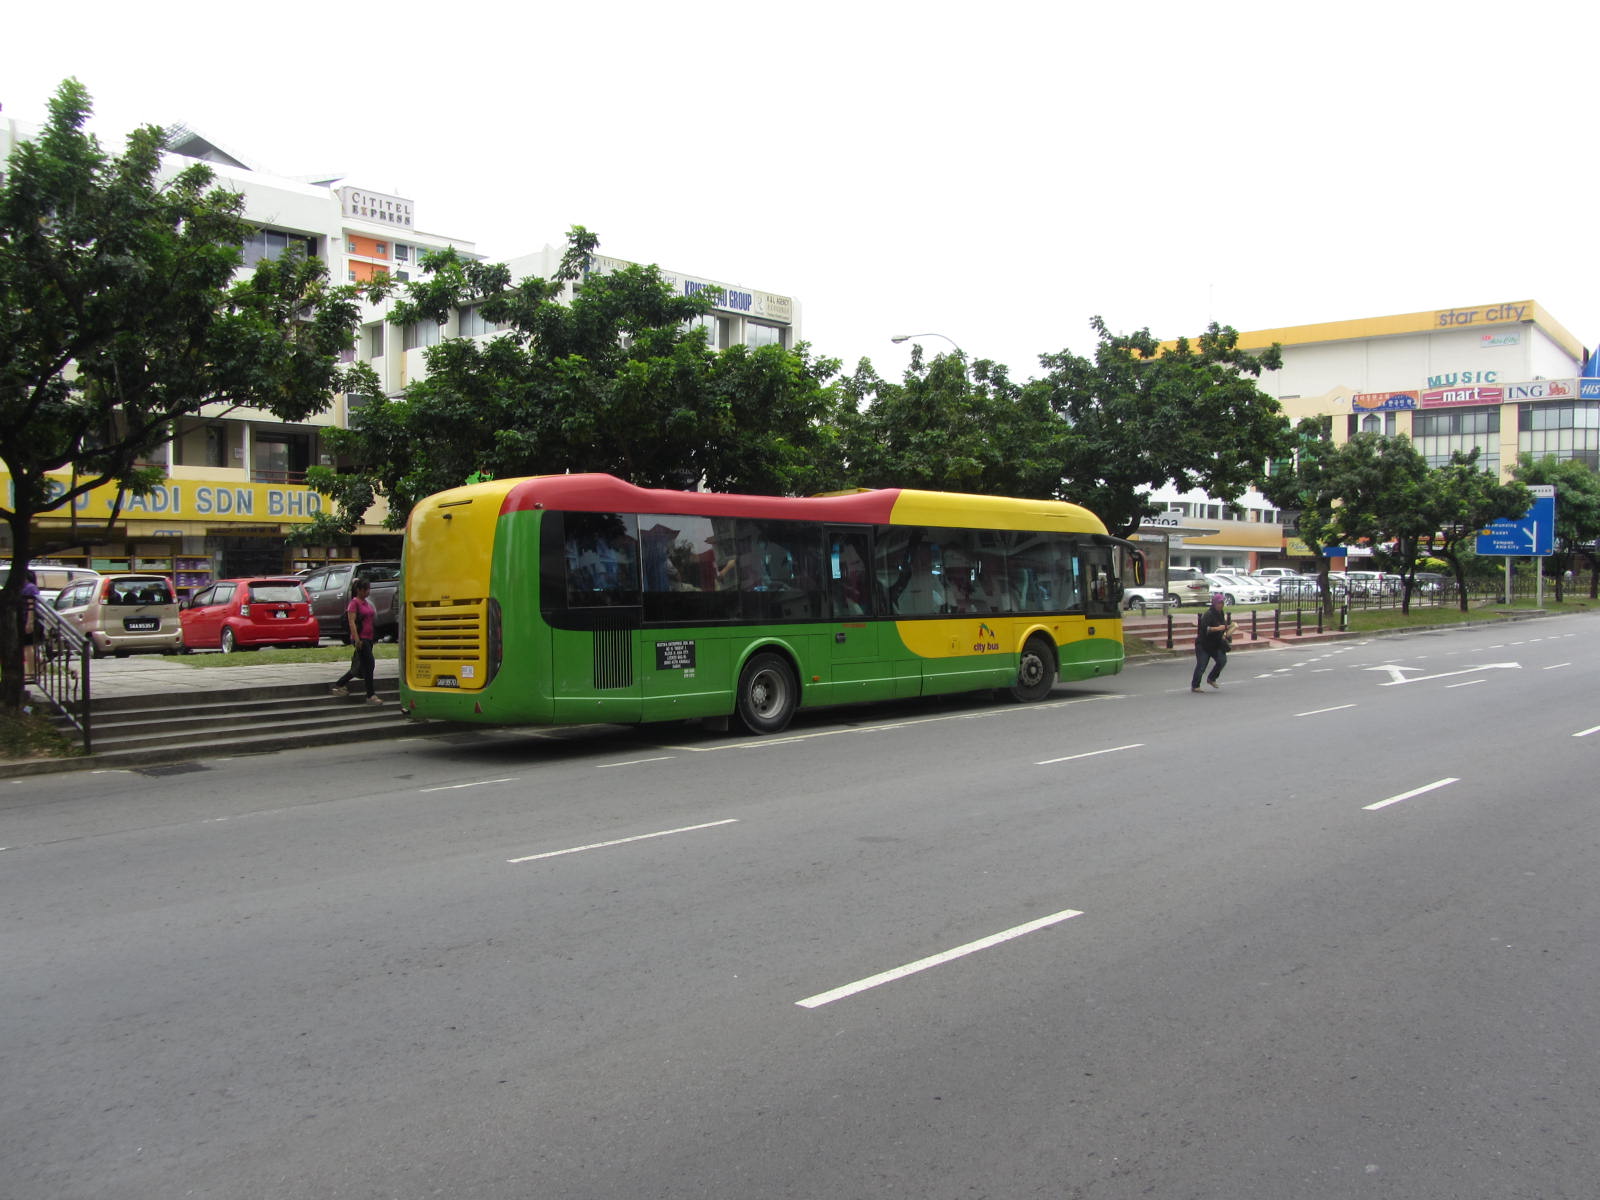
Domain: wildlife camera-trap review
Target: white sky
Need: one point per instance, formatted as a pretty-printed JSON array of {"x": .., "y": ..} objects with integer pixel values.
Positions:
[{"x": 997, "y": 173}]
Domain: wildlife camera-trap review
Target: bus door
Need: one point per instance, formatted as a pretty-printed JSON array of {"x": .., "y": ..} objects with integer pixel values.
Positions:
[
  {"x": 591, "y": 595},
  {"x": 860, "y": 671},
  {"x": 1100, "y": 651}
]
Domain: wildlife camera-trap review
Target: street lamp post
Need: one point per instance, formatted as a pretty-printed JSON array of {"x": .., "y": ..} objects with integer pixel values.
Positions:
[{"x": 960, "y": 353}]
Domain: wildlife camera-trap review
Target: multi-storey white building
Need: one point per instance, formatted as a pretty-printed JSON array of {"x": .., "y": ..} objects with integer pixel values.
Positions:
[
  {"x": 1500, "y": 377},
  {"x": 236, "y": 476}
]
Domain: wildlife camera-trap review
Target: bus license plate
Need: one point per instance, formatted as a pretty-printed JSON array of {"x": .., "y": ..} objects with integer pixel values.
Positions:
[{"x": 446, "y": 681}]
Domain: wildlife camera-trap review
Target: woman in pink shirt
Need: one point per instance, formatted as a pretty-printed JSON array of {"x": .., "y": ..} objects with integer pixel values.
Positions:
[{"x": 361, "y": 620}]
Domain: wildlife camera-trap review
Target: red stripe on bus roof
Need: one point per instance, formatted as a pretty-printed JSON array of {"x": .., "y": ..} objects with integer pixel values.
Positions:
[{"x": 606, "y": 493}]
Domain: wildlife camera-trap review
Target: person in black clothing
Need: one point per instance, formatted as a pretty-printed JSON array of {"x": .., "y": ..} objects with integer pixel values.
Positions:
[{"x": 1211, "y": 639}]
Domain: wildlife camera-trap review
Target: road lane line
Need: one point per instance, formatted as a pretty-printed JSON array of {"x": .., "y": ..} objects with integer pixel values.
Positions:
[
  {"x": 934, "y": 960},
  {"x": 1317, "y": 711},
  {"x": 642, "y": 837},
  {"x": 1427, "y": 787},
  {"x": 1468, "y": 683},
  {"x": 450, "y": 787},
  {"x": 1557, "y": 666},
  {"x": 634, "y": 762},
  {"x": 1587, "y": 732},
  {"x": 790, "y": 739},
  {"x": 1088, "y": 754}
]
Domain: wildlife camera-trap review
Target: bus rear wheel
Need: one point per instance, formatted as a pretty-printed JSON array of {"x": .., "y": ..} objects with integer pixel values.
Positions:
[
  {"x": 768, "y": 694},
  {"x": 1036, "y": 672}
]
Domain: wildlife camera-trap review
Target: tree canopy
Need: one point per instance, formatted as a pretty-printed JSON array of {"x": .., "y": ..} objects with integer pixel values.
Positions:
[
  {"x": 120, "y": 311},
  {"x": 943, "y": 429},
  {"x": 1577, "y": 513},
  {"x": 1139, "y": 418},
  {"x": 620, "y": 380},
  {"x": 1380, "y": 491}
]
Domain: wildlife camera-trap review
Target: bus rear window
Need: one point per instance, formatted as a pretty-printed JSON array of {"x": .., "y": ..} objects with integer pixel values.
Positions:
[{"x": 602, "y": 559}]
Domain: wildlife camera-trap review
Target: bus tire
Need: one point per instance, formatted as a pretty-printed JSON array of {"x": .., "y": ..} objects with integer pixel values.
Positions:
[
  {"x": 768, "y": 694},
  {"x": 1036, "y": 671}
]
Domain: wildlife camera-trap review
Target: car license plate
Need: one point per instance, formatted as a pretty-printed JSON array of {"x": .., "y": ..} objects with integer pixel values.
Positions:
[
  {"x": 141, "y": 624},
  {"x": 280, "y": 614}
]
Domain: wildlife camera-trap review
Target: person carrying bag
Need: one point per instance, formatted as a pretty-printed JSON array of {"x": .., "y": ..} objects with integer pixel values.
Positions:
[{"x": 1212, "y": 640}]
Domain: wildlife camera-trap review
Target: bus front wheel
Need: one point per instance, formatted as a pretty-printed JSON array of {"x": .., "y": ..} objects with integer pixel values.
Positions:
[
  {"x": 1036, "y": 672},
  {"x": 768, "y": 694}
]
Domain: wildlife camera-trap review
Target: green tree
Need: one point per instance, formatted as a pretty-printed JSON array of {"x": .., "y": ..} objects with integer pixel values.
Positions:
[
  {"x": 1307, "y": 484},
  {"x": 1387, "y": 502},
  {"x": 120, "y": 311},
  {"x": 1464, "y": 499},
  {"x": 1140, "y": 418},
  {"x": 1577, "y": 512},
  {"x": 619, "y": 380},
  {"x": 943, "y": 429}
]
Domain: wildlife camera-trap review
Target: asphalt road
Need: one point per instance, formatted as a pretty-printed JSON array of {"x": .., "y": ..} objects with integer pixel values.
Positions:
[{"x": 1327, "y": 933}]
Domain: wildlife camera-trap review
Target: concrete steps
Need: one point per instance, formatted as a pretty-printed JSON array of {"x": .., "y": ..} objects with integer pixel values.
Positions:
[{"x": 138, "y": 731}]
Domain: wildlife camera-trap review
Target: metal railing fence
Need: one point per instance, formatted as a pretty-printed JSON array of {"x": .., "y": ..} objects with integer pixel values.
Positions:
[{"x": 61, "y": 669}]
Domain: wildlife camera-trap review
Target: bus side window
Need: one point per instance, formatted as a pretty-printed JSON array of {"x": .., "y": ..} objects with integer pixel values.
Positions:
[
  {"x": 602, "y": 559},
  {"x": 849, "y": 573}
]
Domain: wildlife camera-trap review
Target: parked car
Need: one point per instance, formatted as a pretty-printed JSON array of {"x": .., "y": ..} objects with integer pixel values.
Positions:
[
  {"x": 1431, "y": 583},
  {"x": 1370, "y": 583},
  {"x": 1275, "y": 573},
  {"x": 330, "y": 588},
  {"x": 1306, "y": 587},
  {"x": 1237, "y": 590},
  {"x": 1255, "y": 591},
  {"x": 246, "y": 614},
  {"x": 1187, "y": 585},
  {"x": 52, "y": 578},
  {"x": 1137, "y": 599},
  {"x": 124, "y": 614}
]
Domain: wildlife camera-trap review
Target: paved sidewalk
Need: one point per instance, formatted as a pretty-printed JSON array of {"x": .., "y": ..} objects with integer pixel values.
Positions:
[
  {"x": 149, "y": 676},
  {"x": 146, "y": 675}
]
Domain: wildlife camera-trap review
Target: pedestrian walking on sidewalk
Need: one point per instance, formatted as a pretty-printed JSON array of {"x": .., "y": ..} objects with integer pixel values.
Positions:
[
  {"x": 361, "y": 620},
  {"x": 1212, "y": 637}
]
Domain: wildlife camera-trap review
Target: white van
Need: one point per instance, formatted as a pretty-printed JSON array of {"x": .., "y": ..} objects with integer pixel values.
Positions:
[{"x": 52, "y": 578}]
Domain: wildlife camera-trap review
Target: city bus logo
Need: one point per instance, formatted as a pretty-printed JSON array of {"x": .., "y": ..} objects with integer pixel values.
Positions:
[{"x": 988, "y": 639}]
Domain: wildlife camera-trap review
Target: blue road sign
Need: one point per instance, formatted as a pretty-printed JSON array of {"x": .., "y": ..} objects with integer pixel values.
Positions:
[{"x": 1534, "y": 535}]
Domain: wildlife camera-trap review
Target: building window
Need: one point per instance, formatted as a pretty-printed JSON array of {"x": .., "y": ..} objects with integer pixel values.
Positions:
[
  {"x": 1437, "y": 435},
  {"x": 475, "y": 324},
  {"x": 421, "y": 333},
  {"x": 274, "y": 244},
  {"x": 1567, "y": 430},
  {"x": 375, "y": 340},
  {"x": 382, "y": 249},
  {"x": 1379, "y": 423},
  {"x": 402, "y": 252},
  {"x": 757, "y": 334},
  {"x": 716, "y": 329},
  {"x": 280, "y": 458}
]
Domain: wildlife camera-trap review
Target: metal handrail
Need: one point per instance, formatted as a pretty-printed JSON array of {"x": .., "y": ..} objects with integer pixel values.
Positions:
[{"x": 61, "y": 669}]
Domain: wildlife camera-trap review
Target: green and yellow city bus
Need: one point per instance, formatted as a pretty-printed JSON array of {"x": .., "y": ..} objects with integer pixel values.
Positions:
[{"x": 581, "y": 598}]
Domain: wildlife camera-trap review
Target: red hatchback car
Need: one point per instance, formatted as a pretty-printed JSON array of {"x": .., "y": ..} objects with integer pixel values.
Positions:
[{"x": 246, "y": 614}]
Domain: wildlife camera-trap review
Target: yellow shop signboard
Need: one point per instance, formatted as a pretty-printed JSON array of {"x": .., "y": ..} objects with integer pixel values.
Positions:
[{"x": 193, "y": 500}]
